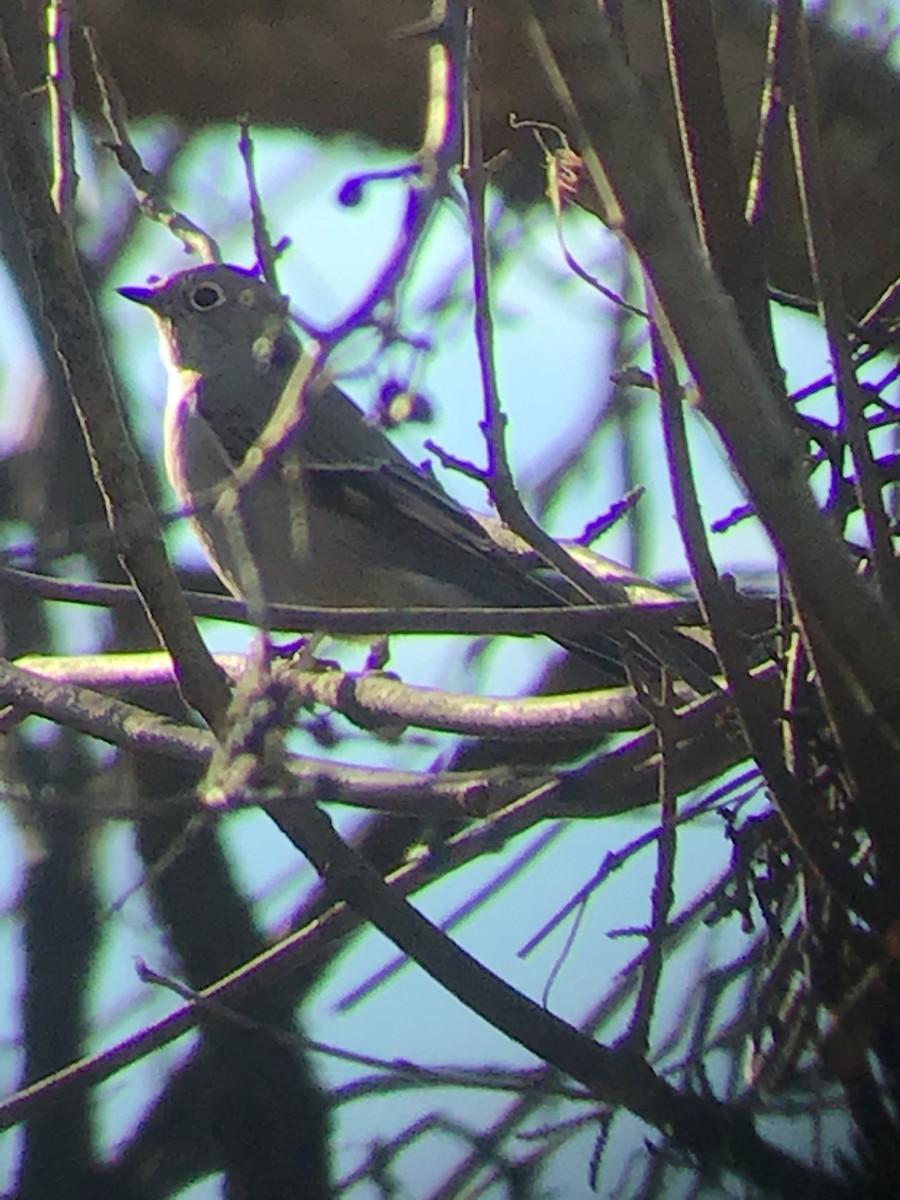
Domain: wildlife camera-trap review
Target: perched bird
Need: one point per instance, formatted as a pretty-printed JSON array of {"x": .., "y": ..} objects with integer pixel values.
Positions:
[{"x": 339, "y": 517}]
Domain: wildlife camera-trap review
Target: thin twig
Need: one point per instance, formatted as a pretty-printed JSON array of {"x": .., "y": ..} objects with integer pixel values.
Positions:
[
  {"x": 662, "y": 896},
  {"x": 732, "y": 244},
  {"x": 436, "y": 158},
  {"x": 266, "y": 256},
  {"x": 498, "y": 477},
  {"x": 770, "y": 128},
  {"x": 809, "y": 833},
  {"x": 61, "y": 86},
  {"x": 639, "y": 614},
  {"x": 471, "y": 904},
  {"x": 147, "y": 186}
]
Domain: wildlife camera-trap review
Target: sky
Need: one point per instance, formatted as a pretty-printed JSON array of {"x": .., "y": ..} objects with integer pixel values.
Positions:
[{"x": 553, "y": 361}]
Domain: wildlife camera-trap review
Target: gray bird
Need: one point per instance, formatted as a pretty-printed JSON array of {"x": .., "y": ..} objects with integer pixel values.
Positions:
[{"x": 339, "y": 517}]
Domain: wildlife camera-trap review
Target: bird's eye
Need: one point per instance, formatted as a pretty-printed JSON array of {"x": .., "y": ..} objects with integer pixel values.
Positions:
[{"x": 206, "y": 296}]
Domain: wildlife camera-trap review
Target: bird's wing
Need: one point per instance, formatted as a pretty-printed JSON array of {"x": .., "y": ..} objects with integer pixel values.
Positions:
[
  {"x": 357, "y": 470},
  {"x": 400, "y": 509}
]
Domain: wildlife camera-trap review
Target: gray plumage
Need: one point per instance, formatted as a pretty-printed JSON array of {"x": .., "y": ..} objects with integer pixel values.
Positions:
[{"x": 340, "y": 517}]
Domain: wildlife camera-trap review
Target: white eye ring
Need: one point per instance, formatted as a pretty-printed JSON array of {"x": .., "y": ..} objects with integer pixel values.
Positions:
[{"x": 206, "y": 295}]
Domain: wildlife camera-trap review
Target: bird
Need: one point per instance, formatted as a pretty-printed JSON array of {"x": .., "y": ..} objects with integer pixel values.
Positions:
[{"x": 338, "y": 516}]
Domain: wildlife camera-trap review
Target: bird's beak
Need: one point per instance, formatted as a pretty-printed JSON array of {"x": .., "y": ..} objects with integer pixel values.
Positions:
[{"x": 147, "y": 296}]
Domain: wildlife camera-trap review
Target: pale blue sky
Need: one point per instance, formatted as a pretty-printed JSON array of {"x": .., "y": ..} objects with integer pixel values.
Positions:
[{"x": 552, "y": 360}]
